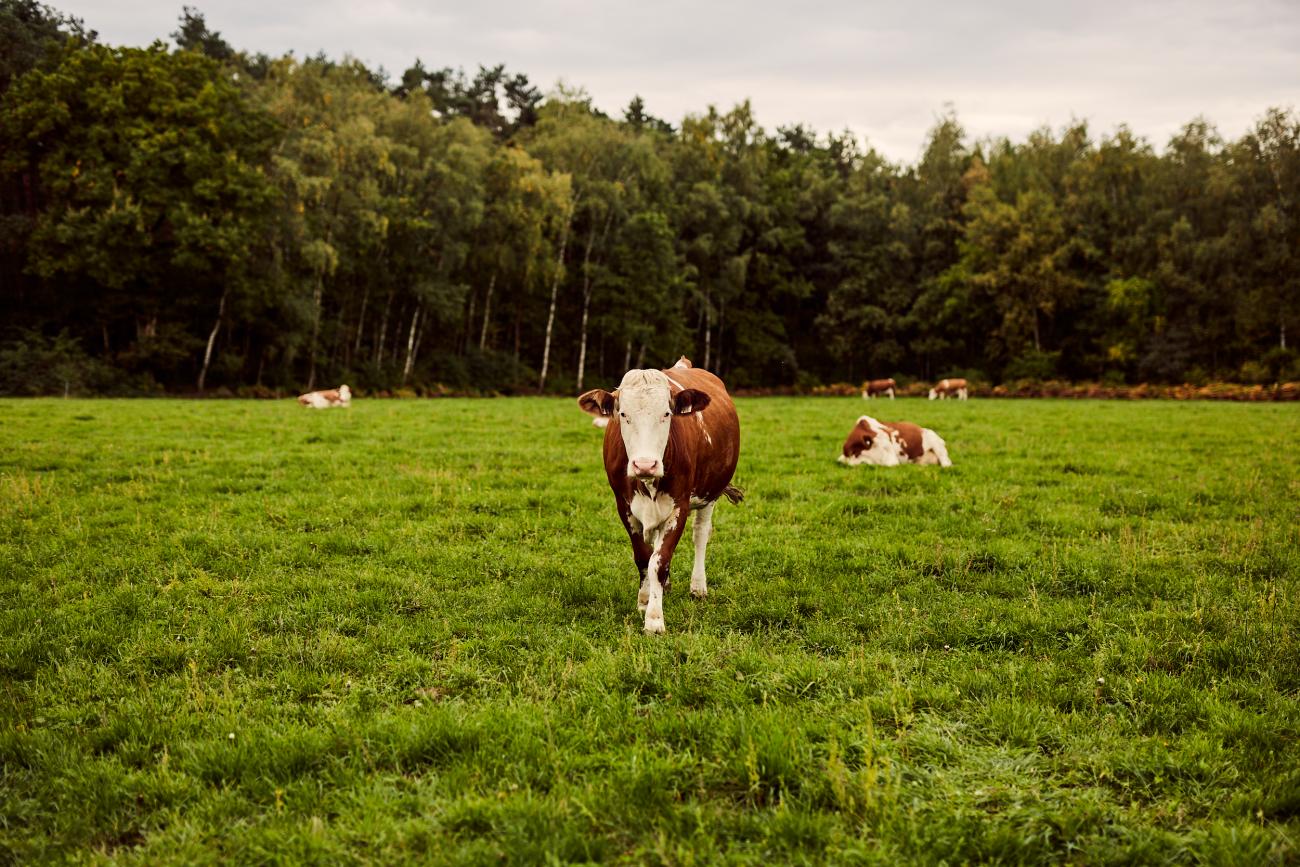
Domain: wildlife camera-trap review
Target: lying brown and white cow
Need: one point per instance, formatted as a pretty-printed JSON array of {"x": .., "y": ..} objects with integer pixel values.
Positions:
[
  {"x": 341, "y": 396},
  {"x": 671, "y": 449},
  {"x": 879, "y": 386},
  {"x": 949, "y": 388},
  {"x": 893, "y": 443}
]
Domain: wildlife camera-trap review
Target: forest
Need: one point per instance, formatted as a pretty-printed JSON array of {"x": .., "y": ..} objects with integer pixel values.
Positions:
[{"x": 188, "y": 217}]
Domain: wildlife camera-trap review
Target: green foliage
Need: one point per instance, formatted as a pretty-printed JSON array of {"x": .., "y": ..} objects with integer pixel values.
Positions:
[
  {"x": 30, "y": 32},
  {"x": 243, "y": 631},
  {"x": 32, "y": 364},
  {"x": 210, "y": 216}
]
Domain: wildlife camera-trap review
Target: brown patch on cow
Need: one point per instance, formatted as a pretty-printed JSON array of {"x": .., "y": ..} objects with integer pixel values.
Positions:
[{"x": 909, "y": 435}]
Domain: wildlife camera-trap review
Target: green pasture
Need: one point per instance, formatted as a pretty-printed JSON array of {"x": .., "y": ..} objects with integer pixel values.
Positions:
[{"x": 245, "y": 632}]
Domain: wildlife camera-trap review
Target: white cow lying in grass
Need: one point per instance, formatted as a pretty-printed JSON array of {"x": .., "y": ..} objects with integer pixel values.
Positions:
[
  {"x": 341, "y": 396},
  {"x": 888, "y": 445}
]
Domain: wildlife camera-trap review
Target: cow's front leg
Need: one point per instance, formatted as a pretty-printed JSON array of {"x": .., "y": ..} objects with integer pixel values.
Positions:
[
  {"x": 641, "y": 549},
  {"x": 701, "y": 532},
  {"x": 641, "y": 553},
  {"x": 656, "y": 579}
]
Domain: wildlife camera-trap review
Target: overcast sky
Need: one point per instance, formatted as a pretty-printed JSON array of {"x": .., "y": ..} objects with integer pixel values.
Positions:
[{"x": 883, "y": 70}]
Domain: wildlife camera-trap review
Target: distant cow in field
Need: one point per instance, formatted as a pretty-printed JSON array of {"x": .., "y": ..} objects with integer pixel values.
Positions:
[
  {"x": 890, "y": 444},
  {"x": 878, "y": 387},
  {"x": 949, "y": 388},
  {"x": 341, "y": 396},
  {"x": 671, "y": 449}
]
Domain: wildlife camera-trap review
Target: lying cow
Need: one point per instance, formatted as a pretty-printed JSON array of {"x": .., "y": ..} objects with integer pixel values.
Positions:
[
  {"x": 878, "y": 387},
  {"x": 341, "y": 396},
  {"x": 888, "y": 445},
  {"x": 949, "y": 388},
  {"x": 671, "y": 450}
]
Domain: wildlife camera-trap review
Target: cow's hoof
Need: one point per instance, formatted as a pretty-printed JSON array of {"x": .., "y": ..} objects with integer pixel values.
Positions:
[
  {"x": 699, "y": 592},
  {"x": 654, "y": 626}
]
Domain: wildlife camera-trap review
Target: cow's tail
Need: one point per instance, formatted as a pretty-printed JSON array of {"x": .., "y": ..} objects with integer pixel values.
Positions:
[{"x": 733, "y": 493}]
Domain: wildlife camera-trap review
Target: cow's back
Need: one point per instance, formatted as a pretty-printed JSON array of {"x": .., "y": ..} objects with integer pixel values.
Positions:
[{"x": 712, "y": 435}]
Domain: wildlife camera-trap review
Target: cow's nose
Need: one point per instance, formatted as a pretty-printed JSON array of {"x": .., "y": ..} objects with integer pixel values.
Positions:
[{"x": 645, "y": 468}]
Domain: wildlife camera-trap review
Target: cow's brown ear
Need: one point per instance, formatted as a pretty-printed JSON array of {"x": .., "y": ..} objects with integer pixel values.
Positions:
[
  {"x": 597, "y": 402},
  {"x": 689, "y": 400}
]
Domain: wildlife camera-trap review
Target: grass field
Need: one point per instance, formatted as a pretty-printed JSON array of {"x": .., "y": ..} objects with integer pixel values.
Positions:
[{"x": 246, "y": 632}]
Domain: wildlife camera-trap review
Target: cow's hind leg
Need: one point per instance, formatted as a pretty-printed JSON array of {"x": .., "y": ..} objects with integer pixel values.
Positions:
[{"x": 700, "y": 533}]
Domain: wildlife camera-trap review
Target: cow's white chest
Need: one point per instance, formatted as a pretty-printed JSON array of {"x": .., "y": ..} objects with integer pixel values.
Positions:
[{"x": 651, "y": 512}]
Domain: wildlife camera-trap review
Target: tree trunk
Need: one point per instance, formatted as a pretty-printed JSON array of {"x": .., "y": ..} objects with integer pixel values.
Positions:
[
  {"x": 627, "y": 357},
  {"x": 410, "y": 346},
  {"x": 586, "y": 304},
  {"x": 708, "y": 332},
  {"x": 722, "y": 323},
  {"x": 315, "y": 331},
  {"x": 640, "y": 357},
  {"x": 383, "y": 331},
  {"x": 419, "y": 339},
  {"x": 361, "y": 324},
  {"x": 587, "y": 289},
  {"x": 582, "y": 344},
  {"x": 555, "y": 292},
  {"x": 467, "y": 327},
  {"x": 487, "y": 312},
  {"x": 212, "y": 338},
  {"x": 339, "y": 343}
]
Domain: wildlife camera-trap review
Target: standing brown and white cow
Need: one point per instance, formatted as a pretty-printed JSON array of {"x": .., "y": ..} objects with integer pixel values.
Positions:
[
  {"x": 671, "y": 449},
  {"x": 879, "y": 386},
  {"x": 949, "y": 388}
]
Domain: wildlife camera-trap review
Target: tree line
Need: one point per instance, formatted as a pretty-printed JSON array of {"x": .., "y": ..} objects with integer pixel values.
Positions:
[{"x": 193, "y": 216}]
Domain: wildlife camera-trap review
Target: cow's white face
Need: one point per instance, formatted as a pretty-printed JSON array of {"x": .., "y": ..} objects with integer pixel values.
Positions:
[
  {"x": 644, "y": 413},
  {"x": 643, "y": 407}
]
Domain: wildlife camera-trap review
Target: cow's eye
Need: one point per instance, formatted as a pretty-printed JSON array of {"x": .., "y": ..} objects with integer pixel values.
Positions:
[{"x": 667, "y": 414}]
